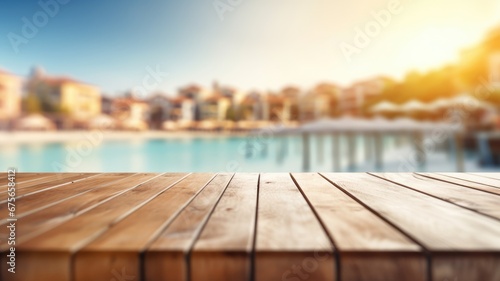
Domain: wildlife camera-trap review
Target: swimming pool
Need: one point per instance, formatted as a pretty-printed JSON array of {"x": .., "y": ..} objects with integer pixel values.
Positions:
[{"x": 213, "y": 154}]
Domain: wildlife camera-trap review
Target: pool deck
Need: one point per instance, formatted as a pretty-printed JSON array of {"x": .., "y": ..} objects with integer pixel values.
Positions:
[{"x": 239, "y": 227}]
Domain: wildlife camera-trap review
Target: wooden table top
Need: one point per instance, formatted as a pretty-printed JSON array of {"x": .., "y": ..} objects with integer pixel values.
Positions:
[{"x": 244, "y": 226}]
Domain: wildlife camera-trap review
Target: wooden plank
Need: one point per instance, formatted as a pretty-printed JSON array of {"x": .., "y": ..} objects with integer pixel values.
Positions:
[
  {"x": 42, "y": 178},
  {"x": 474, "y": 178},
  {"x": 369, "y": 248},
  {"x": 37, "y": 178},
  {"x": 441, "y": 227},
  {"x": 41, "y": 187},
  {"x": 30, "y": 204},
  {"x": 464, "y": 183},
  {"x": 121, "y": 246},
  {"x": 24, "y": 184},
  {"x": 223, "y": 250},
  {"x": 71, "y": 236},
  {"x": 290, "y": 241},
  {"x": 19, "y": 177},
  {"x": 469, "y": 198},
  {"x": 4, "y": 179},
  {"x": 488, "y": 175},
  {"x": 22, "y": 178},
  {"x": 63, "y": 240},
  {"x": 362, "y": 217},
  {"x": 45, "y": 219},
  {"x": 166, "y": 257}
]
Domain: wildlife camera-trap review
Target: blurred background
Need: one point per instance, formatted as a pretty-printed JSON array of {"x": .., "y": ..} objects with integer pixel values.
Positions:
[{"x": 250, "y": 86}]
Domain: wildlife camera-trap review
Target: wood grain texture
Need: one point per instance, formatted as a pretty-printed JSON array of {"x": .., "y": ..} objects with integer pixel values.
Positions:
[
  {"x": 44, "y": 178},
  {"x": 343, "y": 227},
  {"x": 439, "y": 226},
  {"x": 370, "y": 248},
  {"x": 34, "y": 202},
  {"x": 472, "y": 266},
  {"x": 223, "y": 250},
  {"x": 464, "y": 183},
  {"x": 290, "y": 241},
  {"x": 166, "y": 257},
  {"x": 58, "y": 181},
  {"x": 475, "y": 178},
  {"x": 488, "y": 175},
  {"x": 75, "y": 233},
  {"x": 54, "y": 266},
  {"x": 383, "y": 266},
  {"x": 472, "y": 199},
  {"x": 23, "y": 179},
  {"x": 124, "y": 242},
  {"x": 80, "y": 230},
  {"x": 42, "y": 220}
]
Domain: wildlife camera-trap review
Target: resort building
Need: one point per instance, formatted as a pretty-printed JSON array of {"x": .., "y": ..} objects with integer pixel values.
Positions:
[
  {"x": 106, "y": 105},
  {"x": 10, "y": 99},
  {"x": 353, "y": 98},
  {"x": 188, "y": 103},
  {"x": 276, "y": 108},
  {"x": 250, "y": 108},
  {"x": 183, "y": 109},
  {"x": 215, "y": 108},
  {"x": 292, "y": 96},
  {"x": 193, "y": 92},
  {"x": 64, "y": 98},
  {"x": 160, "y": 106},
  {"x": 228, "y": 101},
  {"x": 231, "y": 93},
  {"x": 131, "y": 113},
  {"x": 320, "y": 102}
]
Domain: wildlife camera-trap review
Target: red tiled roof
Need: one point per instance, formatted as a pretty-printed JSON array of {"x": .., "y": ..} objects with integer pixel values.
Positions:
[
  {"x": 275, "y": 99},
  {"x": 190, "y": 88},
  {"x": 179, "y": 99},
  {"x": 127, "y": 101},
  {"x": 59, "y": 80},
  {"x": 215, "y": 97},
  {"x": 159, "y": 95},
  {"x": 291, "y": 91},
  {"x": 248, "y": 100}
]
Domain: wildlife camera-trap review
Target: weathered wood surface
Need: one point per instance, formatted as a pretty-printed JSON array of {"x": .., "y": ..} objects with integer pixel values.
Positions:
[{"x": 303, "y": 226}]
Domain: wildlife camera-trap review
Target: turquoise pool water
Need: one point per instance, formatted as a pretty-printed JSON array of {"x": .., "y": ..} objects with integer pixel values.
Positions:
[{"x": 211, "y": 154}]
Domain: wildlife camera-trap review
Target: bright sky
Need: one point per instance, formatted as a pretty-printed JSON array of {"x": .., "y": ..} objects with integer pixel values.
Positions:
[{"x": 260, "y": 44}]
